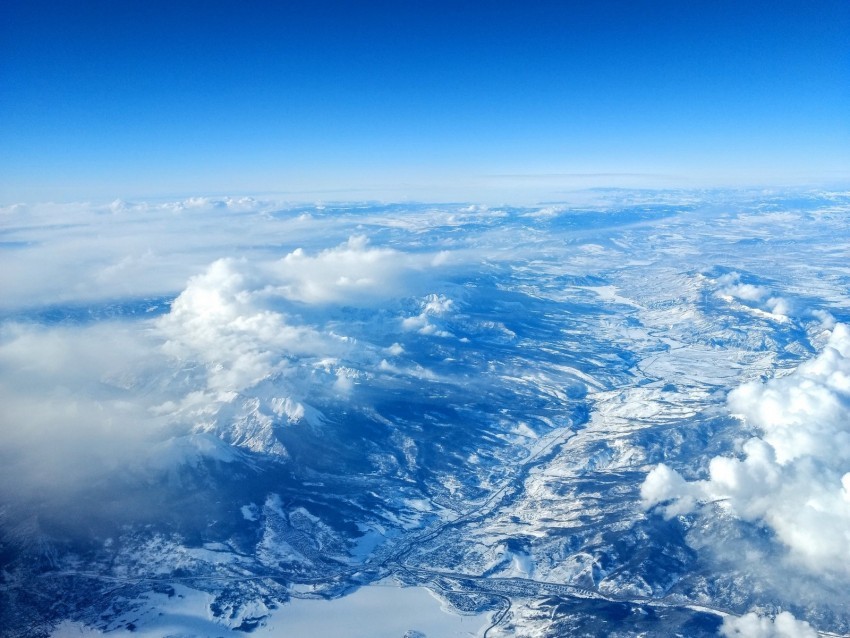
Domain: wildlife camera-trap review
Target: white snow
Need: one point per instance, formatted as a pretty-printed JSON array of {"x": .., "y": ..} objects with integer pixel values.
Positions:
[{"x": 382, "y": 610}]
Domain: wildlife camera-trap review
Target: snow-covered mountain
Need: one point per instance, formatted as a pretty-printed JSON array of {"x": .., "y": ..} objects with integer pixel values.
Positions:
[{"x": 625, "y": 417}]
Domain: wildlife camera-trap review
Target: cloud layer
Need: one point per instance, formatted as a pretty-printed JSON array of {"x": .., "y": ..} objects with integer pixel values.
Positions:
[
  {"x": 85, "y": 400},
  {"x": 148, "y": 347},
  {"x": 758, "y": 296},
  {"x": 219, "y": 320},
  {"x": 352, "y": 272},
  {"x": 754, "y": 626},
  {"x": 794, "y": 476}
]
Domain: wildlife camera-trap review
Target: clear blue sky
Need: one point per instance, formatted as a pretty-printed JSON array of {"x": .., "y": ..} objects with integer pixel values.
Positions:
[{"x": 126, "y": 98}]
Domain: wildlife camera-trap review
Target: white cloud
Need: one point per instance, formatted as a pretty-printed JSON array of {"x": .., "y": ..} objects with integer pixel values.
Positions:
[
  {"x": 292, "y": 410},
  {"x": 395, "y": 349},
  {"x": 826, "y": 318},
  {"x": 253, "y": 346},
  {"x": 345, "y": 378},
  {"x": 83, "y": 401},
  {"x": 780, "y": 306},
  {"x": 220, "y": 320},
  {"x": 664, "y": 485},
  {"x": 751, "y": 625},
  {"x": 230, "y": 318},
  {"x": 433, "y": 305},
  {"x": 793, "y": 477},
  {"x": 731, "y": 287},
  {"x": 80, "y": 252},
  {"x": 352, "y": 272},
  {"x": 76, "y": 403}
]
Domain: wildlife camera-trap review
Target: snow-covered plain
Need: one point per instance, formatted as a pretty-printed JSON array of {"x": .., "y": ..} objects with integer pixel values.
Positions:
[
  {"x": 382, "y": 610},
  {"x": 627, "y": 416}
]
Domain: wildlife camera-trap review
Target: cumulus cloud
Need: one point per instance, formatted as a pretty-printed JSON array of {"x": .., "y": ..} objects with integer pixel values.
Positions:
[
  {"x": 825, "y": 317},
  {"x": 730, "y": 286},
  {"x": 232, "y": 317},
  {"x": 351, "y": 272},
  {"x": 751, "y": 625},
  {"x": 237, "y": 354},
  {"x": 794, "y": 477},
  {"x": 433, "y": 305},
  {"x": 220, "y": 320}
]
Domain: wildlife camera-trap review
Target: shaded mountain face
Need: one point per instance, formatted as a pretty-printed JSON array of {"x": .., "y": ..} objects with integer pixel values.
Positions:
[{"x": 560, "y": 420}]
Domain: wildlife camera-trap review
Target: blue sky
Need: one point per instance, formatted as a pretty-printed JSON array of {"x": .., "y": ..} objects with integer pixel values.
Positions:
[{"x": 104, "y": 99}]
